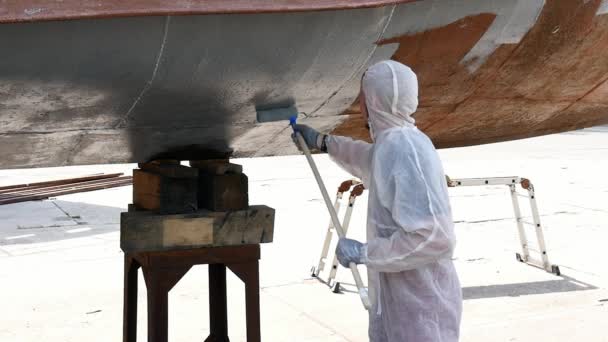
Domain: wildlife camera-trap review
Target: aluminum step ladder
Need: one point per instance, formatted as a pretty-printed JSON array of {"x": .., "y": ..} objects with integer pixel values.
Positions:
[
  {"x": 543, "y": 260},
  {"x": 357, "y": 190}
]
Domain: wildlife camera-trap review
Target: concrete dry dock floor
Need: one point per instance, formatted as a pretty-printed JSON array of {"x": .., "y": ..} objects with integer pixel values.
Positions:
[{"x": 61, "y": 265}]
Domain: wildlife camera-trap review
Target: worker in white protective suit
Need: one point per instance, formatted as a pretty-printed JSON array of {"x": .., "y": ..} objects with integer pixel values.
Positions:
[{"x": 414, "y": 288}]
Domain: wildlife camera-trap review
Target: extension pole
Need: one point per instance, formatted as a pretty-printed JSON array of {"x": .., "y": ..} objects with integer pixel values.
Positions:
[{"x": 334, "y": 217}]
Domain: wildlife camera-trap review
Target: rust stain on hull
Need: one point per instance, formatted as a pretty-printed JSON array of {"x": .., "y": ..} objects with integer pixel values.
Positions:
[{"x": 553, "y": 80}]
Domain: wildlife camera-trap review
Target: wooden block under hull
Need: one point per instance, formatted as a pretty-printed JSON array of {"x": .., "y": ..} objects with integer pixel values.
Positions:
[{"x": 147, "y": 231}]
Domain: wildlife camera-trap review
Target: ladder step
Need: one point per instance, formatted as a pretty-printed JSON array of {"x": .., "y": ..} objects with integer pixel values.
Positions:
[
  {"x": 522, "y": 195},
  {"x": 535, "y": 251},
  {"x": 528, "y": 223},
  {"x": 536, "y": 262}
]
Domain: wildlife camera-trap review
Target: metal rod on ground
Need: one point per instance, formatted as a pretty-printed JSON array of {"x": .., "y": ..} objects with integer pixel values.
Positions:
[
  {"x": 334, "y": 217},
  {"x": 119, "y": 181},
  {"x": 67, "y": 192},
  {"x": 47, "y": 195},
  {"x": 40, "y": 189},
  {"x": 59, "y": 188},
  {"x": 59, "y": 182}
]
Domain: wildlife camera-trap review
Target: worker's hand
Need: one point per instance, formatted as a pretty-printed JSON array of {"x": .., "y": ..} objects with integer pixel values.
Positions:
[
  {"x": 313, "y": 139},
  {"x": 350, "y": 251}
]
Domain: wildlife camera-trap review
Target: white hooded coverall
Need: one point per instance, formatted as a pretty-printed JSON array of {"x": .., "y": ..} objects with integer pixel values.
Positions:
[{"x": 414, "y": 288}]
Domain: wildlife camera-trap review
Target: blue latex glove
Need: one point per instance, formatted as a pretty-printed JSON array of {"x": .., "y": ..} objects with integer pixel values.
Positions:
[
  {"x": 350, "y": 251},
  {"x": 313, "y": 139}
]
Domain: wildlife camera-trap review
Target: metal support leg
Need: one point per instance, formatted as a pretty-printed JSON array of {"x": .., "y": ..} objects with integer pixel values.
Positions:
[
  {"x": 218, "y": 312},
  {"x": 159, "y": 281},
  {"x": 249, "y": 274},
  {"x": 252, "y": 298},
  {"x": 158, "y": 307},
  {"x": 129, "y": 329}
]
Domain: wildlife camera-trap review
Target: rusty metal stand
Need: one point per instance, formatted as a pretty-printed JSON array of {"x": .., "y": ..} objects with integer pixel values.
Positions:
[{"x": 163, "y": 269}]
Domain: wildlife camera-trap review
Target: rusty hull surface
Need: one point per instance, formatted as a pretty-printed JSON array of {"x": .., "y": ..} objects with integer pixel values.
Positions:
[
  {"x": 552, "y": 80},
  {"x": 95, "y": 89}
]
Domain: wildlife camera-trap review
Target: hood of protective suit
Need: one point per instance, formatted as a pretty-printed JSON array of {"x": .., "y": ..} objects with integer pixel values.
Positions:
[{"x": 391, "y": 96}]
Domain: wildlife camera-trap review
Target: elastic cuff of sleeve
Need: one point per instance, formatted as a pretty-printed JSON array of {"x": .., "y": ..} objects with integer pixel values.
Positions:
[
  {"x": 322, "y": 142},
  {"x": 363, "y": 254}
]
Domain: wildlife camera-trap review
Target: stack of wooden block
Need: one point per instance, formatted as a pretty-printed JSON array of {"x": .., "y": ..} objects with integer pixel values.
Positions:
[{"x": 204, "y": 205}]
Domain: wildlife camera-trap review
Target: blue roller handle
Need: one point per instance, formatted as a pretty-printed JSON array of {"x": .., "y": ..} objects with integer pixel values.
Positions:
[{"x": 292, "y": 122}]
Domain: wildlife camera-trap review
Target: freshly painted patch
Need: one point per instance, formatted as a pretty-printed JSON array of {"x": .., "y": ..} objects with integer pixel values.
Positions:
[{"x": 603, "y": 9}]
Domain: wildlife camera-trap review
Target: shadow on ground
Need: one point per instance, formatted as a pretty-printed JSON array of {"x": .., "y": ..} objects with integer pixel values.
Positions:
[
  {"x": 55, "y": 220},
  {"x": 565, "y": 284}
]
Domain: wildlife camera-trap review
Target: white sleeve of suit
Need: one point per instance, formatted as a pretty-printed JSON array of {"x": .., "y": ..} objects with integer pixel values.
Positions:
[
  {"x": 352, "y": 155},
  {"x": 412, "y": 207},
  {"x": 407, "y": 250}
]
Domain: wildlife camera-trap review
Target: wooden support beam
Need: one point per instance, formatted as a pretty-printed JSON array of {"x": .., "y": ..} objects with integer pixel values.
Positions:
[
  {"x": 165, "y": 188},
  {"x": 169, "y": 169},
  {"x": 216, "y": 166},
  {"x": 222, "y": 186},
  {"x": 147, "y": 231}
]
